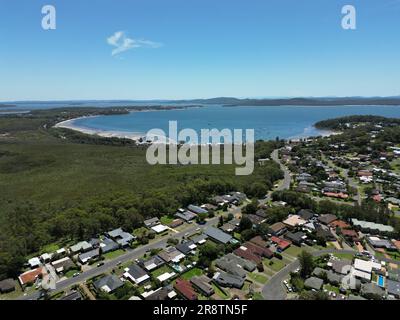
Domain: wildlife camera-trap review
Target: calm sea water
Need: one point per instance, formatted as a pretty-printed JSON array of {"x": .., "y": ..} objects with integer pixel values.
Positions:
[{"x": 268, "y": 122}]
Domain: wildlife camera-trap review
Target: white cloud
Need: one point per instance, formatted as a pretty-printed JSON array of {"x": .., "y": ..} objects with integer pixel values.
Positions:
[{"x": 123, "y": 43}]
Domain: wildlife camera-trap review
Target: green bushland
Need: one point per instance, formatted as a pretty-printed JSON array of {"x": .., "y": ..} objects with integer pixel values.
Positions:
[{"x": 58, "y": 185}]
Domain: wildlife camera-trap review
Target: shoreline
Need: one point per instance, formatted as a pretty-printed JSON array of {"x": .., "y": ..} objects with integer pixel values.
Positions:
[{"x": 136, "y": 136}]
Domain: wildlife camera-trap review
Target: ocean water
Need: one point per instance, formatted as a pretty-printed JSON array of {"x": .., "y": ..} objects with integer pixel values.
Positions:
[{"x": 267, "y": 122}]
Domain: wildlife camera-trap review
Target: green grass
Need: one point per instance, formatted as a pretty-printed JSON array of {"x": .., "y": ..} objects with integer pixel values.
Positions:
[
  {"x": 219, "y": 292},
  {"x": 166, "y": 220},
  {"x": 192, "y": 273},
  {"x": 237, "y": 235},
  {"x": 50, "y": 248},
  {"x": 158, "y": 272},
  {"x": 276, "y": 265},
  {"x": 113, "y": 254},
  {"x": 258, "y": 277},
  {"x": 70, "y": 273},
  {"x": 293, "y": 251},
  {"x": 331, "y": 288},
  {"x": 347, "y": 256},
  {"x": 258, "y": 296}
]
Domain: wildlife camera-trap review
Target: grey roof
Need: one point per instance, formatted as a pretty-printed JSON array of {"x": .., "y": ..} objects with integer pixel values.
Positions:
[
  {"x": 89, "y": 255},
  {"x": 305, "y": 214},
  {"x": 372, "y": 288},
  {"x": 115, "y": 233},
  {"x": 235, "y": 265},
  {"x": 327, "y": 218},
  {"x": 341, "y": 266},
  {"x": 7, "y": 285},
  {"x": 123, "y": 238},
  {"x": 111, "y": 281},
  {"x": 136, "y": 271},
  {"x": 372, "y": 225},
  {"x": 314, "y": 283},
  {"x": 228, "y": 280},
  {"x": 393, "y": 287},
  {"x": 334, "y": 278},
  {"x": 381, "y": 243},
  {"x": 81, "y": 246},
  {"x": 203, "y": 283},
  {"x": 196, "y": 209},
  {"x": 319, "y": 271},
  {"x": 185, "y": 247},
  {"x": 75, "y": 295},
  {"x": 152, "y": 263},
  {"x": 199, "y": 238},
  {"x": 110, "y": 245},
  {"x": 187, "y": 215},
  {"x": 295, "y": 237},
  {"x": 218, "y": 235},
  {"x": 151, "y": 222}
]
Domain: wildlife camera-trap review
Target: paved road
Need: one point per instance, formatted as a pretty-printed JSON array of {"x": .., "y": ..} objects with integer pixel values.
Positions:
[
  {"x": 131, "y": 255},
  {"x": 275, "y": 290},
  {"x": 285, "y": 183}
]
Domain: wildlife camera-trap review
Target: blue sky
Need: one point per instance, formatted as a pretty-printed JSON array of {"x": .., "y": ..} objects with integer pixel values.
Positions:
[{"x": 198, "y": 49}]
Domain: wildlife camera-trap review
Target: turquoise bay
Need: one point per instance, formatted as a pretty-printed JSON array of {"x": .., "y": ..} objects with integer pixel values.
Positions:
[{"x": 267, "y": 122}]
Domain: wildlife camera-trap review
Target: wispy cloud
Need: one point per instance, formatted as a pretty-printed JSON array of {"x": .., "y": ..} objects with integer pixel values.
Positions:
[{"x": 123, "y": 43}]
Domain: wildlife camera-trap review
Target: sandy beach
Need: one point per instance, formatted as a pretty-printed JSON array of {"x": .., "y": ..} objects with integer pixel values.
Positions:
[{"x": 70, "y": 124}]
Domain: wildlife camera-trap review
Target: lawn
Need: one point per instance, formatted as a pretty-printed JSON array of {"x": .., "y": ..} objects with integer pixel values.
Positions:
[
  {"x": 113, "y": 254},
  {"x": 70, "y": 273},
  {"x": 331, "y": 288},
  {"x": 219, "y": 292},
  {"x": 158, "y": 272},
  {"x": 347, "y": 256},
  {"x": 258, "y": 277},
  {"x": 166, "y": 220},
  {"x": 276, "y": 265},
  {"x": 191, "y": 273},
  {"x": 293, "y": 251},
  {"x": 258, "y": 296}
]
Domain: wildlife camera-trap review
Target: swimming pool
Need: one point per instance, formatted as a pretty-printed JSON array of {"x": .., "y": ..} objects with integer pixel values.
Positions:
[{"x": 381, "y": 281}]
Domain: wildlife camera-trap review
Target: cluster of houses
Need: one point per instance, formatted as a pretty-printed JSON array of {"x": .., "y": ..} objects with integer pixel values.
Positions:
[{"x": 364, "y": 276}]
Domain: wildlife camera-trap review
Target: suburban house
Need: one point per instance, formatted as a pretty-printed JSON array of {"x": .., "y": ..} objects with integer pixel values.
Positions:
[
  {"x": 108, "y": 283},
  {"x": 7, "y": 285},
  {"x": 108, "y": 245},
  {"x": 305, "y": 214},
  {"x": 160, "y": 228},
  {"x": 324, "y": 233},
  {"x": 29, "y": 277},
  {"x": 186, "y": 247},
  {"x": 259, "y": 241},
  {"x": 152, "y": 263},
  {"x": 227, "y": 261},
  {"x": 371, "y": 227},
  {"x": 196, "y": 209},
  {"x": 63, "y": 265},
  {"x": 171, "y": 254},
  {"x": 90, "y": 255},
  {"x": 278, "y": 229},
  {"x": 231, "y": 267},
  {"x": 369, "y": 290},
  {"x": 377, "y": 242},
  {"x": 34, "y": 262},
  {"x": 255, "y": 219},
  {"x": 185, "y": 289},
  {"x": 200, "y": 239},
  {"x": 339, "y": 224},
  {"x": 151, "y": 222},
  {"x": 218, "y": 235},
  {"x": 363, "y": 269},
  {"x": 313, "y": 283},
  {"x": 393, "y": 288},
  {"x": 281, "y": 244},
  {"x": 327, "y": 218},
  {"x": 251, "y": 251},
  {"x": 341, "y": 266},
  {"x": 73, "y": 296},
  {"x": 176, "y": 223},
  {"x": 82, "y": 246},
  {"x": 296, "y": 238},
  {"x": 136, "y": 274},
  {"x": 121, "y": 237},
  {"x": 163, "y": 293},
  {"x": 186, "y": 215},
  {"x": 350, "y": 235},
  {"x": 228, "y": 280},
  {"x": 203, "y": 284},
  {"x": 294, "y": 220}
]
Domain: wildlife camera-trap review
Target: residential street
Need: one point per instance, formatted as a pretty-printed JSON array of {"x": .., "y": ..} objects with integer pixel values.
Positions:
[{"x": 130, "y": 255}]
